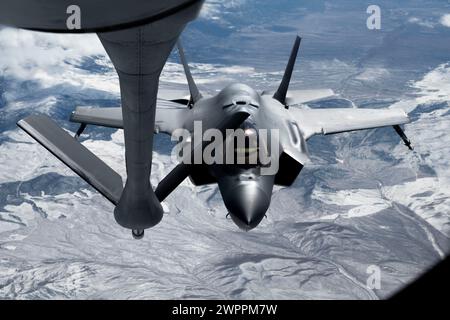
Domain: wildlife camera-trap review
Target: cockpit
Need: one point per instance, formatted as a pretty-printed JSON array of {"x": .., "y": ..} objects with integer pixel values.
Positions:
[
  {"x": 239, "y": 95},
  {"x": 244, "y": 147}
]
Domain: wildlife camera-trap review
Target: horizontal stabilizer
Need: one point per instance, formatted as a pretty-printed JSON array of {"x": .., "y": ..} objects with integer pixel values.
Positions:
[
  {"x": 294, "y": 97},
  {"x": 282, "y": 90},
  {"x": 76, "y": 156},
  {"x": 195, "y": 93}
]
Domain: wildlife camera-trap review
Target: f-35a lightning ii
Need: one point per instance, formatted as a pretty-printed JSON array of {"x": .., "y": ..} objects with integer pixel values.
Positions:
[{"x": 245, "y": 190}]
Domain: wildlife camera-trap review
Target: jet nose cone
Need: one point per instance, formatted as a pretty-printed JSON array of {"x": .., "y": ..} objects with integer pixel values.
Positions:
[{"x": 247, "y": 206}]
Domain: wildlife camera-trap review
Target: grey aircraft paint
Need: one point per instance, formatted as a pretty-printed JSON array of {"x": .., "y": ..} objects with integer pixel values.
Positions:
[{"x": 138, "y": 37}]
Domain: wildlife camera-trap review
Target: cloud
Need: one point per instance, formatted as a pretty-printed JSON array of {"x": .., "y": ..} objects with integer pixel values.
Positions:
[
  {"x": 36, "y": 55},
  {"x": 445, "y": 20},
  {"x": 421, "y": 22},
  {"x": 213, "y": 9},
  {"x": 55, "y": 60},
  {"x": 59, "y": 60}
]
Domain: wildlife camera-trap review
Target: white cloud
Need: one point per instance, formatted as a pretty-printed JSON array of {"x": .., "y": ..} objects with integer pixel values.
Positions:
[
  {"x": 54, "y": 60},
  {"x": 43, "y": 56},
  {"x": 212, "y": 9},
  {"x": 445, "y": 20},
  {"x": 421, "y": 22}
]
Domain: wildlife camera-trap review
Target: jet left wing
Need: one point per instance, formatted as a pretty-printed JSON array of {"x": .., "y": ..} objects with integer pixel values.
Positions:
[
  {"x": 336, "y": 120},
  {"x": 105, "y": 117},
  {"x": 169, "y": 116}
]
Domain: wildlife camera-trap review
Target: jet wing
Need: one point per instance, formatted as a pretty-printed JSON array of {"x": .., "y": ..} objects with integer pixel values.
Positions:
[
  {"x": 173, "y": 94},
  {"x": 106, "y": 117},
  {"x": 332, "y": 120},
  {"x": 169, "y": 116},
  {"x": 294, "y": 97}
]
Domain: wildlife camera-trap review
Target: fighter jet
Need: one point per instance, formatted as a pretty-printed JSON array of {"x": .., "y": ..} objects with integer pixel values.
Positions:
[{"x": 245, "y": 188}]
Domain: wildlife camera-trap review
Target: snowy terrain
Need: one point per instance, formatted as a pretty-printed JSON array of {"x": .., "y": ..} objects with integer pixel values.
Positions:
[{"x": 365, "y": 199}]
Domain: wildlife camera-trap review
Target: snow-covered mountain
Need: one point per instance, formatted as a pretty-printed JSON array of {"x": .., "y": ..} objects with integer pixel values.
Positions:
[{"x": 365, "y": 200}]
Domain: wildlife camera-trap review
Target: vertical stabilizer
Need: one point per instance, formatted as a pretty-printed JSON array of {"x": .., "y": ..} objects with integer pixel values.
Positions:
[
  {"x": 281, "y": 92},
  {"x": 195, "y": 93}
]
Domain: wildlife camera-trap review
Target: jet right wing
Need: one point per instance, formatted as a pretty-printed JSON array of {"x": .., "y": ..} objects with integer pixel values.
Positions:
[{"x": 336, "y": 120}]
